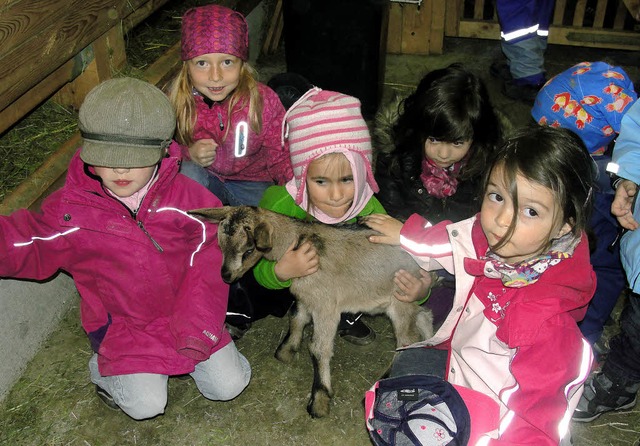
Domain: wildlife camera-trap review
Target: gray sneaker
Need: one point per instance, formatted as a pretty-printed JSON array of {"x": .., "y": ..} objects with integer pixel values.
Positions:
[{"x": 602, "y": 395}]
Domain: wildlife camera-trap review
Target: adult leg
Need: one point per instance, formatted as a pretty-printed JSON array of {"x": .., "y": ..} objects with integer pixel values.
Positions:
[
  {"x": 139, "y": 395},
  {"x": 224, "y": 375}
]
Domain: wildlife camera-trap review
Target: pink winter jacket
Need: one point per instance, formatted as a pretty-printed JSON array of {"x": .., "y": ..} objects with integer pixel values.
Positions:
[
  {"x": 151, "y": 296},
  {"x": 265, "y": 159},
  {"x": 519, "y": 346}
]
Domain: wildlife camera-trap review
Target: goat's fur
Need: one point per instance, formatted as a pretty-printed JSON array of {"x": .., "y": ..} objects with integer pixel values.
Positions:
[{"x": 355, "y": 275}]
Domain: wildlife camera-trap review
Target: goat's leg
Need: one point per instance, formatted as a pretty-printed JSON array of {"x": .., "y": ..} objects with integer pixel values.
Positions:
[
  {"x": 325, "y": 326},
  {"x": 410, "y": 322},
  {"x": 290, "y": 345}
]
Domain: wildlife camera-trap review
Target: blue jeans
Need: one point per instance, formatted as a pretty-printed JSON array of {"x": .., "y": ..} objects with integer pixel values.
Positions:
[
  {"x": 419, "y": 361},
  {"x": 232, "y": 193},
  {"x": 144, "y": 395}
]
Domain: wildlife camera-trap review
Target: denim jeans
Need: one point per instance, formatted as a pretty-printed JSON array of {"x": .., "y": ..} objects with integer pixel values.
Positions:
[
  {"x": 419, "y": 361},
  {"x": 232, "y": 193},
  {"x": 144, "y": 395}
]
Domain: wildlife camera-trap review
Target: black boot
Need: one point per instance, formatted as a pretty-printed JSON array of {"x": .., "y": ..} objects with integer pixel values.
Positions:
[{"x": 353, "y": 329}]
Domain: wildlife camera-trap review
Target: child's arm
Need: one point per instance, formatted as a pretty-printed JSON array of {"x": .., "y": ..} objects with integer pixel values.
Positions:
[
  {"x": 297, "y": 262},
  {"x": 388, "y": 226},
  {"x": 411, "y": 288},
  {"x": 203, "y": 152}
]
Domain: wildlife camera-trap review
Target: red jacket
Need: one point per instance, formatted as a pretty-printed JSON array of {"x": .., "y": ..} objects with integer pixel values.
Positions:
[
  {"x": 144, "y": 309},
  {"x": 519, "y": 346},
  {"x": 265, "y": 160}
]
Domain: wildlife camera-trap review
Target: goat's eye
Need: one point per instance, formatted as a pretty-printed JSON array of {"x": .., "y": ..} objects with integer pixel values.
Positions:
[{"x": 247, "y": 253}]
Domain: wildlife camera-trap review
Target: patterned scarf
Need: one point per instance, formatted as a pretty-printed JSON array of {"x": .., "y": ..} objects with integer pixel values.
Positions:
[
  {"x": 529, "y": 271},
  {"x": 440, "y": 182}
]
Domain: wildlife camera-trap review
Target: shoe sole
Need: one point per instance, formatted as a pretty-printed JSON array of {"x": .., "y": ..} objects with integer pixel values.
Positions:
[
  {"x": 625, "y": 407},
  {"x": 360, "y": 341},
  {"x": 107, "y": 399}
]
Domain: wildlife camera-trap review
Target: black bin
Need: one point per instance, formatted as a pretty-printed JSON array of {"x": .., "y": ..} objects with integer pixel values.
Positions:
[{"x": 339, "y": 45}]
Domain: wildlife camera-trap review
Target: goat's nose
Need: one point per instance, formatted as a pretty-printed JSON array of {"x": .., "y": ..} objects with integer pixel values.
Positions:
[{"x": 226, "y": 276}]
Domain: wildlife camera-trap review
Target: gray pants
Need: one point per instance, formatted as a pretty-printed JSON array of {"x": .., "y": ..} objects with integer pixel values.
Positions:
[{"x": 144, "y": 395}]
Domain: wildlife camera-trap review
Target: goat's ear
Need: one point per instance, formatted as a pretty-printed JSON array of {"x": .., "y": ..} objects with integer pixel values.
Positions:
[
  {"x": 262, "y": 235},
  {"x": 215, "y": 215}
]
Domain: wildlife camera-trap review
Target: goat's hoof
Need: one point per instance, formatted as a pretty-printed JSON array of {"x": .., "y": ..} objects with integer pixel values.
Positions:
[
  {"x": 285, "y": 354},
  {"x": 318, "y": 406}
]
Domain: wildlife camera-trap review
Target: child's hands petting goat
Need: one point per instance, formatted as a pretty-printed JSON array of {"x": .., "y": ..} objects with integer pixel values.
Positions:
[
  {"x": 410, "y": 288},
  {"x": 297, "y": 262}
]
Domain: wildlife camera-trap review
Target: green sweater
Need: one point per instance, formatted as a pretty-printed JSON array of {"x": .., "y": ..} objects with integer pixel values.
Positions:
[{"x": 277, "y": 199}]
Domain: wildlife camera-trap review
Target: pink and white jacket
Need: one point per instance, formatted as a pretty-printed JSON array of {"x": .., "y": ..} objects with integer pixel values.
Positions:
[
  {"x": 151, "y": 296},
  {"x": 265, "y": 158},
  {"x": 519, "y": 346}
]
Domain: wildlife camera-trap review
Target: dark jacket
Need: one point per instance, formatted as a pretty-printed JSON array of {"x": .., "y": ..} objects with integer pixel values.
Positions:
[{"x": 401, "y": 190}]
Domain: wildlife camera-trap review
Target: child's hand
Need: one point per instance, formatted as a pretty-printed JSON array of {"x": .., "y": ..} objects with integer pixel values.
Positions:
[
  {"x": 410, "y": 288},
  {"x": 203, "y": 152},
  {"x": 622, "y": 202},
  {"x": 388, "y": 226},
  {"x": 297, "y": 262}
]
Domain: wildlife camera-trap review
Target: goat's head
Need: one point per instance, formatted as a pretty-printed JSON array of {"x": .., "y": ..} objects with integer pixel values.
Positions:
[{"x": 243, "y": 236}]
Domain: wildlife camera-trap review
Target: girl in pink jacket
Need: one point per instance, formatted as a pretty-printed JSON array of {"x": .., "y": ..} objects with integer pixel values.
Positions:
[
  {"x": 152, "y": 300},
  {"x": 511, "y": 343},
  {"x": 228, "y": 124}
]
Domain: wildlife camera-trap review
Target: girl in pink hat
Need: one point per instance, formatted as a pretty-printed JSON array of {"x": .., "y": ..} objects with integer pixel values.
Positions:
[
  {"x": 228, "y": 124},
  {"x": 330, "y": 149}
]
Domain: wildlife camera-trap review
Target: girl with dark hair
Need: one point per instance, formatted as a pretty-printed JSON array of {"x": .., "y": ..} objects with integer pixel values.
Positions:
[
  {"x": 432, "y": 148},
  {"x": 511, "y": 344}
]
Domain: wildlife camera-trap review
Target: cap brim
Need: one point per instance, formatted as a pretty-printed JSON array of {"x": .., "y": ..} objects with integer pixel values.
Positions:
[{"x": 104, "y": 154}]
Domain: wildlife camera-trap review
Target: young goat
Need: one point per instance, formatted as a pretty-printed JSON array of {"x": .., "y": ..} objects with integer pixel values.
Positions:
[{"x": 354, "y": 276}]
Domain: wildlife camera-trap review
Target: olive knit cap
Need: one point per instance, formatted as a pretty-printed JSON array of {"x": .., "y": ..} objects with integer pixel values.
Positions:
[{"x": 126, "y": 123}]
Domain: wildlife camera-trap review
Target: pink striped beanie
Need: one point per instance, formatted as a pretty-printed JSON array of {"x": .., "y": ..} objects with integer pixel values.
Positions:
[
  {"x": 214, "y": 29},
  {"x": 323, "y": 122}
]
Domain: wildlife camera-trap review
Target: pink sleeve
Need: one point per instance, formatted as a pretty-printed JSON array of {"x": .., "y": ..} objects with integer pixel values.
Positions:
[{"x": 273, "y": 112}]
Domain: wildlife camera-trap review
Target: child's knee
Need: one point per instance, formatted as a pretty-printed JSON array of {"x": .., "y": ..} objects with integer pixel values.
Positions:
[
  {"x": 149, "y": 406},
  {"x": 230, "y": 387}
]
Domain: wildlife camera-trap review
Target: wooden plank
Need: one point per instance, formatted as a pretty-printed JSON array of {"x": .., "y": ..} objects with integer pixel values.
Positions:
[
  {"x": 634, "y": 8},
  {"x": 621, "y": 14},
  {"x": 558, "y": 13},
  {"x": 27, "y": 102},
  {"x": 415, "y": 29},
  {"x": 436, "y": 36},
  {"x": 109, "y": 55},
  {"x": 479, "y": 29},
  {"x": 453, "y": 15},
  {"x": 394, "y": 30},
  {"x": 83, "y": 23},
  {"x": 273, "y": 24},
  {"x": 578, "y": 14},
  {"x": 601, "y": 9},
  {"x": 478, "y": 10}
]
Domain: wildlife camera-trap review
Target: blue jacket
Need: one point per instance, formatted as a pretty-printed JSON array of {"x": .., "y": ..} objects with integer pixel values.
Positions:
[{"x": 626, "y": 164}]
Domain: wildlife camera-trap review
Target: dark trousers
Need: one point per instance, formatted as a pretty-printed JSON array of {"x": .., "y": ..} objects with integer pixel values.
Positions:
[
  {"x": 623, "y": 361},
  {"x": 419, "y": 361}
]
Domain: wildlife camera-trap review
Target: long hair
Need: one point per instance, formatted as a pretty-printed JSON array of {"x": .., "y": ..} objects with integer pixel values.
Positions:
[
  {"x": 450, "y": 104},
  {"x": 555, "y": 158},
  {"x": 246, "y": 94}
]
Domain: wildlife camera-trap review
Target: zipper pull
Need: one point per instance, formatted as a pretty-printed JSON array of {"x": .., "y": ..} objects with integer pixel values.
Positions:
[
  {"x": 158, "y": 247},
  {"x": 220, "y": 120}
]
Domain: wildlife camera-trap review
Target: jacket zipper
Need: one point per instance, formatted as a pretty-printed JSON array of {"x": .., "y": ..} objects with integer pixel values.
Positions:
[{"x": 141, "y": 226}]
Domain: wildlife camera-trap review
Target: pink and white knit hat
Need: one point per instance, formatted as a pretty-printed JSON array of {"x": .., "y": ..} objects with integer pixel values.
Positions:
[
  {"x": 214, "y": 29},
  {"x": 323, "y": 122}
]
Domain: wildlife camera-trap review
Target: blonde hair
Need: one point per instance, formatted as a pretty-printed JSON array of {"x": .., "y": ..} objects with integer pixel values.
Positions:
[{"x": 181, "y": 97}]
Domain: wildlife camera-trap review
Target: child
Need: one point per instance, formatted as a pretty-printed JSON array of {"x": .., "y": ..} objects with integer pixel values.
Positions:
[
  {"x": 591, "y": 99},
  {"x": 228, "y": 123},
  {"x": 152, "y": 299},
  {"x": 331, "y": 156},
  {"x": 432, "y": 155},
  {"x": 523, "y": 280},
  {"x": 616, "y": 386}
]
